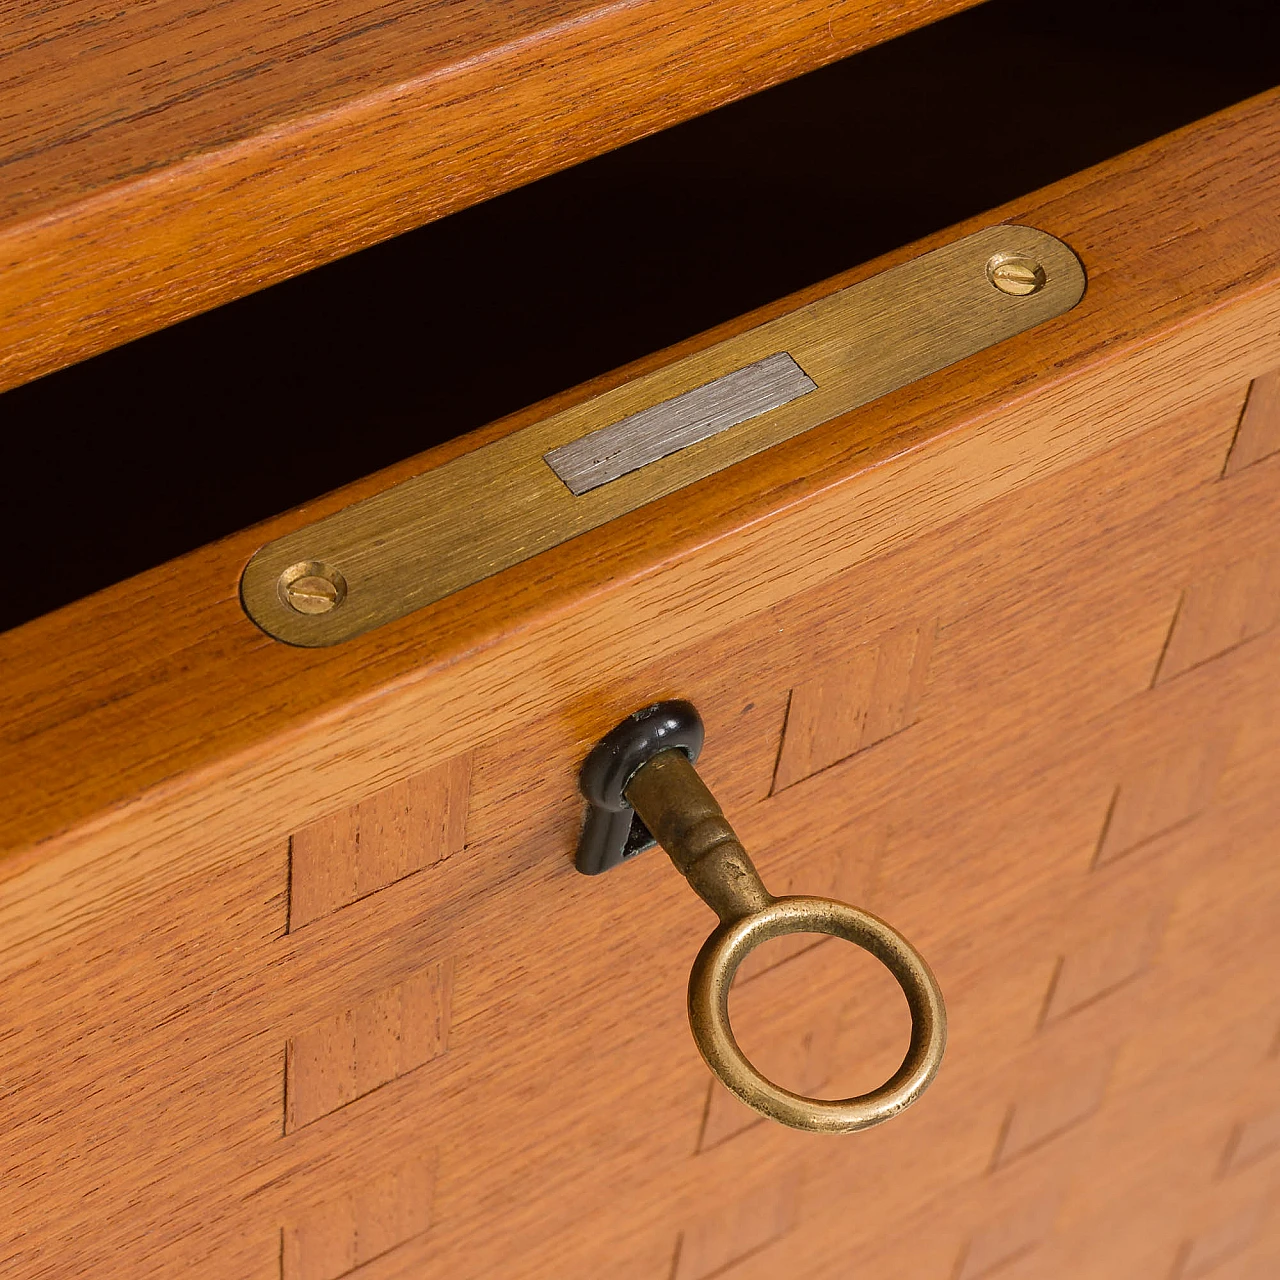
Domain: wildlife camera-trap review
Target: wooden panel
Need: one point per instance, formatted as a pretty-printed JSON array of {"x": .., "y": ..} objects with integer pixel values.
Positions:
[
  {"x": 355, "y": 1051},
  {"x": 570, "y": 1073},
  {"x": 1159, "y": 793},
  {"x": 1254, "y": 1139},
  {"x": 1064, "y": 1095},
  {"x": 1102, "y": 964},
  {"x": 288, "y": 138},
  {"x": 393, "y": 833},
  {"x": 163, "y": 979},
  {"x": 870, "y": 696},
  {"x": 1093, "y": 1083},
  {"x": 1143, "y": 345},
  {"x": 367, "y": 1221},
  {"x": 737, "y": 1230},
  {"x": 1011, "y": 1238},
  {"x": 1258, "y": 435},
  {"x": 1207, "y": 1253},
  {"x": 1224, "y": 609}
]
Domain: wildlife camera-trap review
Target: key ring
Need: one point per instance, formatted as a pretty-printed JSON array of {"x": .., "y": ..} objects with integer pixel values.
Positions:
[{"x": 644, "y": 789}]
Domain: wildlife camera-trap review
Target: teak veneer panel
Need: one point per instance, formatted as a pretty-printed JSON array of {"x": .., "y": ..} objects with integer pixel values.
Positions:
[
  {"x": 870, "y": 695},
  {"x": 569, "y": 1071},
  {"x": 487, "y": 1055},
  {"x": 360, "y": 1225},
  {"x": 1258, "y": 435},
  {"x": 152, "y": 682},
  {"x": 358, "y": 1050},
  {"x": 388, "y": 835},
  {"x": 1223, "y": 610},
  {"x": 161, "y": 159}
]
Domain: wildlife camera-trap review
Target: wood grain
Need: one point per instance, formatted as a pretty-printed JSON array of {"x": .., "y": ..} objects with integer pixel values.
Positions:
[
  {"x": 1258, "y": 435},
  {"x": 1224, "y": 609},
  {"x": 1159, "y": 793},
  {"x": 1251, "y": 1140},
  {"x": 1101, "y": 963},
  {"x": 1091, "y": 1144},
  {"x": 872, "y": 695},
  {"x": 1205, "y": 1253},
  {"x": 732, "y": 1232},
  {"x": 157, "y": 161},
  {"x": 358, "y": 1050},
  {"x": 1011, "y": 1237},
  {"x": 359, "y": 1226},
  {"x": 153, "y": 684},
  {"x": 514, "y": 1036},
  {"x": 390, "y": 834}
]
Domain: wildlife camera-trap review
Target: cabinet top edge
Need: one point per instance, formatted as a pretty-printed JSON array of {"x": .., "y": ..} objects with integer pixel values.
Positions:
[
  {"x": 290, "y": 139},
  {"x": 145, "y": 687}
]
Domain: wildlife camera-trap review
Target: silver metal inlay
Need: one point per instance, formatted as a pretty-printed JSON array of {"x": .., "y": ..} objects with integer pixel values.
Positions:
[{"x": 641, "y": 438}]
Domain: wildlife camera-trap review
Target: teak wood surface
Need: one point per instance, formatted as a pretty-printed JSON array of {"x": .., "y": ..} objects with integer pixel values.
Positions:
[
  {"x": 299, "y": 981},
  {"x": 160, "y": 686},
  {"x": 160, "y": 159}
]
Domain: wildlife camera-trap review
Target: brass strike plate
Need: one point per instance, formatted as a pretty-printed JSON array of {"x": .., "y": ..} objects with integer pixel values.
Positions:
[{"x": 487, "y": 510}]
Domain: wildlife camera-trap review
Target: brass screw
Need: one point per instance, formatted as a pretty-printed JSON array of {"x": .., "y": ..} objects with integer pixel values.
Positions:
[
  {"x": 1015, "y": 274},
  {"x": 312, "y": 587}
]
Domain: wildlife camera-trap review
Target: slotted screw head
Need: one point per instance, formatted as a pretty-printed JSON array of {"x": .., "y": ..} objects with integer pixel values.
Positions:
[
  {"x": 312, "y": 587},
  {"x": 1016, "y": 274}
]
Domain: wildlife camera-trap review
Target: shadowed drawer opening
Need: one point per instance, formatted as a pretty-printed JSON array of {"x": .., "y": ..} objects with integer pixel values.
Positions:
[{"x": 134, "y": 457}]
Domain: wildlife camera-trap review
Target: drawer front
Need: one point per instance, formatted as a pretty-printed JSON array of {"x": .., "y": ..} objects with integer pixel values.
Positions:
[{"x": 308, "y": 986}]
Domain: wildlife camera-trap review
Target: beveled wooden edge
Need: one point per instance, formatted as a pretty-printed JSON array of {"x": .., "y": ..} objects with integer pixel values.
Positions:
[
  {"x": 122, "y": 255},
  {"x": 124, "y": 713}
]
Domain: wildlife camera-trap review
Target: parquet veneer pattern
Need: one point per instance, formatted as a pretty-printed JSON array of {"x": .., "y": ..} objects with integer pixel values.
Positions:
[
  {"x": 386, "y": 836},
  {"x": 354, "y": 1052},
  {"x": 1112, "y": 1016},
  {"x": 1156, "y": 736},
  {"x": 1258, "y": 435},
  {"x": 1206, "y": 1253},
  {"x": 1251, "y": 1140},
  {"x": 868, "y": 695},
  {"x": 1102, "y": 963},
  {"x": 719, "y": 1240},
  {"x": 360, "y": 1225},
  {"x": 1011, "y": 1237},
  {"x": 1162, "y": 844},
  {"x": 1227, "y": 607}
]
